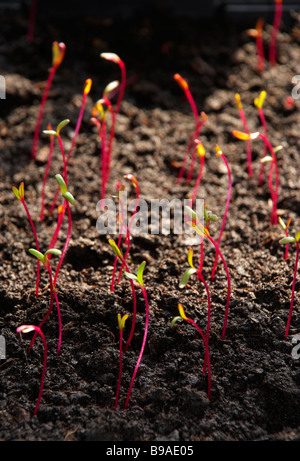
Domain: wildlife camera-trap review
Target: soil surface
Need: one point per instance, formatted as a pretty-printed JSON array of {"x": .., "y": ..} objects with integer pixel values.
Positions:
[{"x": 255, "y": 392}]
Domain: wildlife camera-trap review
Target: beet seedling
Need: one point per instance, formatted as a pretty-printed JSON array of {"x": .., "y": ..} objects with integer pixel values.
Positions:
[
  {"x": 44, "y": 259},
  {"x": 20, "y": 193},
  {"x": 286, "y": 240},
  {"x": 272, "y": 158},
  {"x": 203, "y": 231},
  {"x": 57, "y": 134},
  {"x": 220, "y": 154},
  {"x": 275, "y": 30},
  {"x": 201, "y": 154},
  {"x": 121, "y": 323},
  {"x": 198, "y": 125},
  {"x": 119, "y": 255},
  {"x": 187, "y": 274},
  {"x": 46, "y": 174},
  {"x": 139, "y": 279},
  {"x": 189, "y": 320},
  {"x": 86, "y": 90},
  {"x": 58, "y": 53},
  {"x": 257, "y": 33},
  {"x": 285, "y": 227},
  {"x": 28, "y": 329},
  {"x": 109, "y": 90}
]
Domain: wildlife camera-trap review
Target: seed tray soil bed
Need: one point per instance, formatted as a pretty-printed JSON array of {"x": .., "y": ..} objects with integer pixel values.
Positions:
[{"x": 255, "y": 379}]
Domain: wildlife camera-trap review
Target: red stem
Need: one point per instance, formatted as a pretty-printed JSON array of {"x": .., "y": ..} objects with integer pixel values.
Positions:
[
  {"x": 44, "y": 369},
  {"x": 142, "y": 348},
  {"x": 206, "y": 353},
  {"x": 293, "y": 290},
  {"x": 260, "y": 53},
  {"x": 228, "y": 282},
  {"x": 46, "y": 176},
  {"x": 206, "y": 359},
  {"x": 224, "y": 217},
  {"x": 66, "y": 243},
  {"x": 274, "y": 217},
  {"x": 41, "y": 111},
  {"x": 50, "y": 305},
  {"x": 275, "y": 30},
  {"x": 37, "y": 246},
  {"x": 78, "y": 124}
]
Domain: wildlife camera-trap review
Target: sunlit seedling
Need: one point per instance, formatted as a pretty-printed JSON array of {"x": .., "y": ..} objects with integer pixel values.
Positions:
[
  {"x": 45, "y": 260},
  {"x": 274, "y": 166},
  {"x": 257, "y": 33},
  {"x": 195, "y": 135},
  {"x": 121, "y": 323},
  {"x": 182, "y": 316},
  {"x": 58, "y": 53},
  {"x": 20, "y": 194},
  {"x": 203, "y": 232},
  {"x": 37, "y": 330},
  {"x": 138, "y": 278}
]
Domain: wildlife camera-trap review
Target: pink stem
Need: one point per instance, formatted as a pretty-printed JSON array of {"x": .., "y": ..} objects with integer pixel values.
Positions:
[
  {"x": 49, "y": 308},
  {"x": 275, "y": 30},
  {"x": 274, "y": 217},
  {"x": 206, "y": 353},
  {"x": 228, "y": 282},
  {"x": 293, "y": 290},
  {"x": 196, "y": 132},
  {"x": 46, "y": 176},
  {"x": 120, "y": 369},
  {"x": 142, "y": 348},
  {"x": 200, "y": 276},
  {"x": 260, "y": 53},
  {"x": 66, "y": 243},
  {"x": 224, "y": 217},
  {"x": 37, "y": 246},
  {"x": 59, "y": 322},
  {"x": 78, "y": 125},
  {"x": 41, "y": 111}
]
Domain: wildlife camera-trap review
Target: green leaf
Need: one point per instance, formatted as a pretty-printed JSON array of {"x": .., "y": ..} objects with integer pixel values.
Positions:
[
  {"x": 53, "y": 251},
  {"x": 68, "y": 196},
  {"x": 51, "y": 132},
  {"x": 186, "y": 276},
  {"x": 61, "y": 125},
  {"x": 37, "y": 254},
  {"x": 288, "y": 240},
  {"x": 115, "y": 248},
  {"x": 140, "y": 273},
  {"x": 174, "y": 321},
  {"x": 131, "y": 276},
  {"x": 297, "y": 236},
  {"x": 61, "y": 183}
]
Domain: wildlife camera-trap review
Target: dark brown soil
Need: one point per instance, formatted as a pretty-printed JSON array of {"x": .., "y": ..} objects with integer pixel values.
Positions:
[{"x": 255, "y": 380}]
